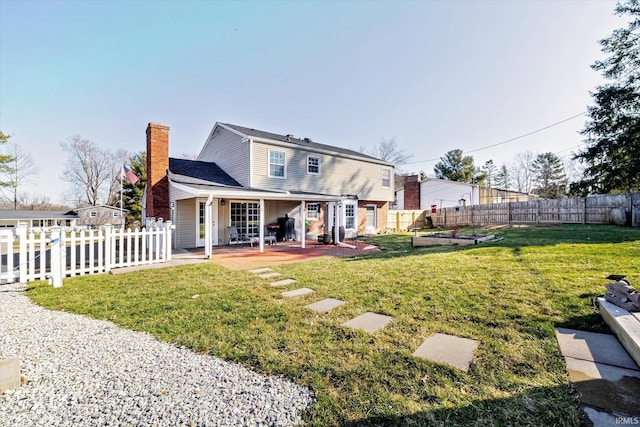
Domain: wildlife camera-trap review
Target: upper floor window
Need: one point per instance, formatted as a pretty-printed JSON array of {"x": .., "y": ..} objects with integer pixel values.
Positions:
[
  {"x": 115, "y": 214},
  {"x": 93, "y": 214},
  {"x": 386, "y": 178},
  {"x": 313, "y": 165},
  {"x": 277, "y": 166}
]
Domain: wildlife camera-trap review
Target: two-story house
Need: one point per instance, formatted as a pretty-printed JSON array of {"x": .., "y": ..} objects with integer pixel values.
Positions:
[{"x": 249, "y": 179}]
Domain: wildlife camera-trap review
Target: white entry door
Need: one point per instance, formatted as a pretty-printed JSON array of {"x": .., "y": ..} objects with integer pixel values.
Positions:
[{"x": 201, "y": 206}]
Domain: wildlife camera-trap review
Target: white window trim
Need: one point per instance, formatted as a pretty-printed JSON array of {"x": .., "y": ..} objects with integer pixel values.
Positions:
[
  {"x": 375, "y": 214},
  {"x": 355, "y": 215},
  {"x": 269, "y": 164},
  {"x": 317, "y": 211},
  {"x": 383, "y": 178},
  {"x": 319, "y": 165}
]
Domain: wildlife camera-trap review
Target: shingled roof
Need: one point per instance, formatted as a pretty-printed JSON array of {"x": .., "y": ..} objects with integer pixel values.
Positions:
[
  {"x": 207, "y": 171},
  {"x": 305, "y": 142}
]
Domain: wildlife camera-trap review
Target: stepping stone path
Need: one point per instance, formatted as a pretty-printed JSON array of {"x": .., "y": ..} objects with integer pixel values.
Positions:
[
  {"x": 269, "y": 275},
  {"x": 325, "y": 306},
  {"x": 260, "y": 270},
  {"x": 283, "y": 282},
  {"x": 297, "y": 292},
  {"x": 448, "y": 349},
  {"x": 369, "y": 322},
  {"x": 442, "y": 348}
]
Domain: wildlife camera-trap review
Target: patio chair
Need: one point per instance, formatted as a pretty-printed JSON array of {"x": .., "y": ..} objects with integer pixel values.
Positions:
[
  {"x": 234, "y": 237},
  {"x": 269, "y": 236}
]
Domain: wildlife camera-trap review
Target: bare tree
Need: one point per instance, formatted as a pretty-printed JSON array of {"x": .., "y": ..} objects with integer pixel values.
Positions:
[
  {"x": 388, "y": 150},
  {"x": 522, "y": 171},
  {"x": 18, "y": 170},
  {"x": 29, "y": 201},
  {"x": 89, "y": 171}
]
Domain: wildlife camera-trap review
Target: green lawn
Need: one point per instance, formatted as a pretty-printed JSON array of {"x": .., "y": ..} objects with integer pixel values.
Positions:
[{"x": 509, "y": 295}]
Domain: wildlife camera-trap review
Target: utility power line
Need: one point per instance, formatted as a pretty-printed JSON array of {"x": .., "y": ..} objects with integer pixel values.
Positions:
[{"x": 508, "y": 140}]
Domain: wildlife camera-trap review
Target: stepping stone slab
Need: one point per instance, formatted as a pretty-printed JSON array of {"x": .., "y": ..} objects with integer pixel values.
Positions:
[
  {"x": 283, "y": 282},
  {"x": 269, "y": 275},
  {"x": 325, "y": 306},
  {"x": 9, "y": 374},
  {"x": 260, "y": 270},
  {"x": 369, "y": 322},
  {"x": 297, "y": 292},
  {"x": 605, "y": 386},
  {"x": 599, "y": 348},
  {"x": 448, "y": 349},
  {"x": 603, "y": 373}
]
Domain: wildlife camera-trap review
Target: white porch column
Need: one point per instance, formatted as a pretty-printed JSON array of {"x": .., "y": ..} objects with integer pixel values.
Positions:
[
  {"x": 335, "y": 219},
  {"x": 261, "y": 229},
  {"x": 207, "y": 227},
  {"x": 303, "y": 228}
]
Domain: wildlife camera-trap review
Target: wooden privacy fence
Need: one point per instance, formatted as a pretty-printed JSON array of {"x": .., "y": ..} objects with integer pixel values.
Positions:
[
  {"x": 596, "y": 209},
  {"x": 51, "y": 255},
  {"x": 406, "y": 220}
]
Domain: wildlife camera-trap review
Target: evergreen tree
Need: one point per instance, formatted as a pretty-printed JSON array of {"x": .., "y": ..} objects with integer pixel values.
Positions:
[
  {"x": 456, "y": 167},
  {"x": 612, "y": 156},
  {"x": 503, "y": 178},
  {"x": 549, "y": 177},
  {"x": 132, "y": 193},
  {"x": 5, "y": 160}
]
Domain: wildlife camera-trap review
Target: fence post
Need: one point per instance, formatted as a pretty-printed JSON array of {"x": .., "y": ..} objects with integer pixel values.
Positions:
[
  {"x": 21, "y": 231},
  {"x": 167, "y": 240},
  {"x": 56, "y": 257},
  {"x": 107, "y": 247}
]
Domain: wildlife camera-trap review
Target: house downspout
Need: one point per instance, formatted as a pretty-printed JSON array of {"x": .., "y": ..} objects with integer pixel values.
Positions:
[{"x": 250, "y": 142}]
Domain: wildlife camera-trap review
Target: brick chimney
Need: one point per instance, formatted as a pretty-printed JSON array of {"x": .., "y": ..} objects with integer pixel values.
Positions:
[
  {"x": 157, "y": 165},
  {"x": 412, "y": 193}
]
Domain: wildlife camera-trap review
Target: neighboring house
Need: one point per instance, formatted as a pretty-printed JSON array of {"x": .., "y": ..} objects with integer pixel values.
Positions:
[
  {"x": 37, "y": 218},
  {"x": 435, "y": 193},
  {"x": 97, "y": 216},
  {"x": 87, "y": 217},
  {"x": 246, "y": 178}
]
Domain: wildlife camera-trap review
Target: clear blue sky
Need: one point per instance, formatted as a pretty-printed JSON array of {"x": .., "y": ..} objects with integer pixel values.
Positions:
[{"x": 436, "y": 75}]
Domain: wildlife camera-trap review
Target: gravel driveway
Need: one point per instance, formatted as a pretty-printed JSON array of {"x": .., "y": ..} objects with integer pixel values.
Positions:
[{"x": 86, "y": 372}]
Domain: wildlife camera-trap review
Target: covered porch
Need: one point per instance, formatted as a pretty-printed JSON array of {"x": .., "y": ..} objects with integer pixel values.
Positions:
[{"x": 205, "y": 215}]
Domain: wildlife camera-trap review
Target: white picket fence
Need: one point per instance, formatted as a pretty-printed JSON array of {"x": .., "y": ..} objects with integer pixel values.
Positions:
[{"x": 28, "y": 255}]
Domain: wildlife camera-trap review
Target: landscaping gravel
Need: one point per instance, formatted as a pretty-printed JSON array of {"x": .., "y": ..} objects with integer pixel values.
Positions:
[{"x": 82, "y": 371}]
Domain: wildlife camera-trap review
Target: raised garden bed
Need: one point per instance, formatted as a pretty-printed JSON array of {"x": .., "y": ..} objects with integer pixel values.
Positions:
[{"x": 432, "y": 239}]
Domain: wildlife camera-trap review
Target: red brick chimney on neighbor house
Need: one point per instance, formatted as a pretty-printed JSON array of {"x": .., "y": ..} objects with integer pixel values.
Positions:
[
  {"x": 412, "y": 193},
  {"x": 157, "y": 165}
]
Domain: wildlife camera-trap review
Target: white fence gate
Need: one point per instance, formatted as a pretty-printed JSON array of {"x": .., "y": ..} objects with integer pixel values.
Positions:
[{"x": 27, "y": 255}]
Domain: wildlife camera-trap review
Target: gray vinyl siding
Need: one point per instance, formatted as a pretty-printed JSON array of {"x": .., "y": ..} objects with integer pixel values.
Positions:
[
  {"x": 176, "y": 194},
  {"x": 338, "y": 174},
  {"x": 186, "y": 223},
  {"x": 228, "y": 151}
]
